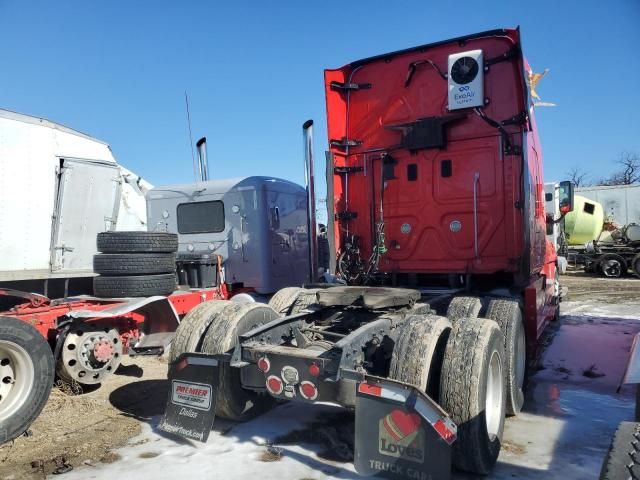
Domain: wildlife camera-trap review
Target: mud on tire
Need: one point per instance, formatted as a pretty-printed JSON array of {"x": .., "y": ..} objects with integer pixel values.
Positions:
[
  {"x": 24, "y": 354},
  {"x": 292, "y": 300},
  {"x": 507, "y": 314},
  {"x": 473, "y": 363},
  {"x": 190, "y": 333},
  {"x": 463, "y": 307},
  {"x": 234, "y": 402},
  {"x": 417, "y": 355}
]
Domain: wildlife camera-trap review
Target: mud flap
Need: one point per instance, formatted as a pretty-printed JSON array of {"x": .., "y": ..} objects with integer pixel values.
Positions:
[
  {"x": 401, "y": 433},
  {"x": 191, "y": 405}
]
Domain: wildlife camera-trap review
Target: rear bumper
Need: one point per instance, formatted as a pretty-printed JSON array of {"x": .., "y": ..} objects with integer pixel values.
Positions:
[{"x": 399, "y": 431}]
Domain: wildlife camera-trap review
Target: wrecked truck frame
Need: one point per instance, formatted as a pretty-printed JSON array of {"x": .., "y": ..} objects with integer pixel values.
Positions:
[{"x": 412, "y": 435}]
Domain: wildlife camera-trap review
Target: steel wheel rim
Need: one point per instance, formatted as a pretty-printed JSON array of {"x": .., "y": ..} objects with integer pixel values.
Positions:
[
  {"x": 612, "y": 268},
  {"x": 17, "y": 375},
  {"x": 493, "y": 397},
  {"x": 521, "y": 356}
]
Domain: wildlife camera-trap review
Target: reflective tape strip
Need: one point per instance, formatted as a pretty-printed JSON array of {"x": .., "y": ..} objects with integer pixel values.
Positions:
[
  {"x": 390, "y": 393},
  {"x": 211, "y": 362},
  {"x": 441, "y": 423}
]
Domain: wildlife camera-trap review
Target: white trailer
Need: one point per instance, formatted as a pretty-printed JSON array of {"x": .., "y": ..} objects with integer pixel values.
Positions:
[
  {"x": 621, "y": 203},
  {"x": 58, "y": 189}
]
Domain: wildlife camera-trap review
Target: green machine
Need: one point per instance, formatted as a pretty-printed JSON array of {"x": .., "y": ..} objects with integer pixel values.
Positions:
[{"x": 584, "y": 223}]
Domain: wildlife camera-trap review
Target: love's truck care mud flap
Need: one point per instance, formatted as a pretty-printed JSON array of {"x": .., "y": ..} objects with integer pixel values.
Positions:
[
  {"x": 191, "y": 406},
  {"x": 401, "y": 433}
]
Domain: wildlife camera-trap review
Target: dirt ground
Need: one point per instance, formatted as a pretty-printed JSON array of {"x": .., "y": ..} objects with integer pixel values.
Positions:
[{"x": 83, "y": 431}]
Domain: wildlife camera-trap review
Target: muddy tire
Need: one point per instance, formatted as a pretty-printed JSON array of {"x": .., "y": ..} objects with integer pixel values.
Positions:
[
  {"x": 191, "y": 331},
  {"x": 134, "y": 285},
  {"x": 292, "y": 300},
  {"x": 620, "y": 461},
  {"x": 137, "y": 242},
  {"x": 464, "y": 307},
  {"x": 472, "y": 390},
  {"x": 417, "y": 355},
  {"x": 507, "y": 314},
  {"x": 234, "y": 402},
  {"x": 283, "y": 299},
  {"x": 134, "y": 263},
  {"x": 25, "y": 357}
]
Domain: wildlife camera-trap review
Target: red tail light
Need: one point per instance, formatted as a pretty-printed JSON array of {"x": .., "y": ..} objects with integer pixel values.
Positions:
[
  {"x": 314, "y": 370},
  {"x": 264, "y": 364},
  {"x": 308, "y": 390},
  {"x": 274, "y": 385}
]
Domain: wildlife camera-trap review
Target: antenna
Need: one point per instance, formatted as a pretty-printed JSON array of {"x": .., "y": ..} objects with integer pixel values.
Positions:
[{"x": 193, "y": 157}]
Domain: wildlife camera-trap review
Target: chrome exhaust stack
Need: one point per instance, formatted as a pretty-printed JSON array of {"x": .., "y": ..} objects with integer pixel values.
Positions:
[
  {"x": 203, "y": 161},
  {"x": 309, "y": 179}
]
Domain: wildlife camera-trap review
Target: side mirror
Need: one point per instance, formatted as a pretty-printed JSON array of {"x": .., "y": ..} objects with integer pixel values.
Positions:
[{"x": 565, "y": 197}]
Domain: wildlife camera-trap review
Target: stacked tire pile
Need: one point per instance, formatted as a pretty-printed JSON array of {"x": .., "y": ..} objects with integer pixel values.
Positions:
[{"x": 135, "y": 264}]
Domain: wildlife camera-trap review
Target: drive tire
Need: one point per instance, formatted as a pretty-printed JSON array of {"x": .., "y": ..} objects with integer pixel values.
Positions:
[
  {"x": 19, "y": 408},
  {"x": 473, "y": 362},
  {"x": 233, "y": 401},
  {"x": 417, "y": 354},
  {"x": 292, "y": 300},
  {"x": 134, "y": 263},
  {"x": 619, "y": 462},
  {"x": 134, "y": 285},
  {"x": 137, "y": 242},
  {"x": 191, "y": 331},
  {"x": 507, "y": 314},
  {"x": 463, "y": 307},
  {"x": 635, "y": 265}
]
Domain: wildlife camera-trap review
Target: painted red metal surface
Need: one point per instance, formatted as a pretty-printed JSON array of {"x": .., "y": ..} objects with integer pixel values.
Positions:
[
  {"x": 419, "y": 214},
  {"x": 45, "y": 317}
]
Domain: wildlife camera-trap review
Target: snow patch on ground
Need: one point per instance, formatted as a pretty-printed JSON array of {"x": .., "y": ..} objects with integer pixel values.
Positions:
[
  {"x": 563, "y": 433},
  {"x": 233, "y": 451}
]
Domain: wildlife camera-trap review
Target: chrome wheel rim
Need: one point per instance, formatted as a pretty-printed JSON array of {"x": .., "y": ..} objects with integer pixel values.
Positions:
[
  {"x": 17, "y": 375},
  {"x": 493, "y": 397}
]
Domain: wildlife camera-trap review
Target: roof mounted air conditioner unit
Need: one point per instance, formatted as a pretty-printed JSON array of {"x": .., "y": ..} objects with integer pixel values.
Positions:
[{"x": 466, "y": 80}]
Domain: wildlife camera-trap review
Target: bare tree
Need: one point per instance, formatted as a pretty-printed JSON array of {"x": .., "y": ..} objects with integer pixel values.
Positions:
[
  {"x": 578, "y": 177},
  {"x": 629, "y": 172}
]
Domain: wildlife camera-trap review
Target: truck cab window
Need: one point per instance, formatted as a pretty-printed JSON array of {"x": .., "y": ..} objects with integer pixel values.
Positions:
[{"x": 201, "y": 217}]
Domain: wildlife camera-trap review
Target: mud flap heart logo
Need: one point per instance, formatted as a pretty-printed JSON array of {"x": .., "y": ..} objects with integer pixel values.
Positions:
[{"x": 400, "y": 436}]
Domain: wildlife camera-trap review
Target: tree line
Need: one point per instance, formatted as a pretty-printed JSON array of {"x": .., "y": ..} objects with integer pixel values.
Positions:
[{"x": 628, "y": 172}]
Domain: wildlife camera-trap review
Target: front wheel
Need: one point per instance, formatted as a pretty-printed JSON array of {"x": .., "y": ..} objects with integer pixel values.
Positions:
[{"x": 27, "y": 372}]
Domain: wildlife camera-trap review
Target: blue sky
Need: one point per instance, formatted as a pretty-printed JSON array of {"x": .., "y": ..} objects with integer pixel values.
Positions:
[{"x": 118, "y": 70}]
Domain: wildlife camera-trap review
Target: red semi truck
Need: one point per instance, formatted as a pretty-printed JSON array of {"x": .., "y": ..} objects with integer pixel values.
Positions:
[{"x": 445, "y": 277}]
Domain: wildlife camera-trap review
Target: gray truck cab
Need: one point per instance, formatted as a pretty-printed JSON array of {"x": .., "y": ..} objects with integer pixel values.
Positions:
[{"x": 256, "y": 226}]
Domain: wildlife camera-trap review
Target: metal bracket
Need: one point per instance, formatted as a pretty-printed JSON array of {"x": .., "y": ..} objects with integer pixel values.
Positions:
[
  {"x": 347, "y": 170},
  {"x": 343, "y": 143},
  {"x": 346, "y": 215},
  {"x": 517, "y": 119},
  {"x": 349, "y": 86},
  {"x": 508, "y": 55}
]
